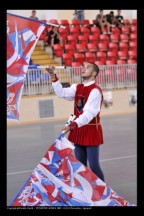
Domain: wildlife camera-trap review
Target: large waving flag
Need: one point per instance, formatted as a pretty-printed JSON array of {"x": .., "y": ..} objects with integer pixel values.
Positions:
[
  {"x": 22, "y": 36},
  {"x": 61, "y": 180}
]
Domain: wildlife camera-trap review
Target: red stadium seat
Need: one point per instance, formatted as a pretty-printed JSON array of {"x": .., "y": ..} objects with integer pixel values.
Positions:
[
  {"x": 76, "y": 64},
  {"x": 101, "y": 56},
  {"x": 80, "y": 48},
  {"x": 72, "y": 40},
  {"x": 122, "y": 55},
  {"x": 79, "y": 57},
  {"x": 121, "y": 61},
  {"x": 133, "y": 29},
  {"x": 113, "y": 47},
  {"x": 66, "y": 24},
  {"x": 127, "y": 22},
  {"x": 54, "y": 21},
  {"x": 112, "y": 56},
  {"x": 58, "y": 50},
  {"x": 124, "y": 38},
  {"x": 85, "y": 31},
  {"x": 74, "y": 31},
  {"x": 102, "y": 46},
  {"x": 83, "y": 40},
  {"x": 91, "y": 47},
  {"x": 75, "y": 23},
  {"x": 104, "y": 39},
  {"x": 90, "y": 57},
  {"x": 133, "y": 37},
  {"x": 131, "y": 61},
  {"x": 115, "y": 30},
  {"x": 67, "y": 59},
  {"x": 99, "y": 62},
  {"x": 95, "y": 30},
  {"x": 93, "y": 39},
  {"x": 132, "y": 54},
  {"x": 133, "y": 46},
  {"x": 134, "y": 22},
  {"x": 110, "y": 62},
  {"x": 123, "y": 46},
  {"x": 64, "y": 33},
  {"x": 69, "y": 48},
  {"x": 114, "y": 38},
  {"x": 85, "y": 22},
  {"x": 125, "y": 30}
]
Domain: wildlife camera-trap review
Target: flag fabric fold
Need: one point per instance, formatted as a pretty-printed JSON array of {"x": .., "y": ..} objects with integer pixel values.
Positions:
[
  {"x": 61, "y": 180},
  {"x": 22, "y": 36}
]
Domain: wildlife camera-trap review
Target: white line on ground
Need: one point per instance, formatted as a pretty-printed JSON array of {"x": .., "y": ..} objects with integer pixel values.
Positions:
[
  {"x": 14, "y": 173},
  {"x": 117, "y": 158}
]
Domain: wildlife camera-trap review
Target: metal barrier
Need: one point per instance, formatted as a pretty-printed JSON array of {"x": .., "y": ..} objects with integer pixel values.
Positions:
[{"x": 110, "y": 77}]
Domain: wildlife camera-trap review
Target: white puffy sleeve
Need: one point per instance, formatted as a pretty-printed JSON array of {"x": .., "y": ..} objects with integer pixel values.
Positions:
[{"x": 67, "y": 93}]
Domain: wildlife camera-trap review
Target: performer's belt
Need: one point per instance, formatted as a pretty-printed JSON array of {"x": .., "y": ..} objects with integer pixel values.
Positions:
[{"x": 94, "y": 124}]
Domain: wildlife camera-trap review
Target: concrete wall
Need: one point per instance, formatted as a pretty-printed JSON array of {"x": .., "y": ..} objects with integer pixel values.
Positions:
[
  {"x": 68, "y": 14},
  {"x": 29, "y": 108}
]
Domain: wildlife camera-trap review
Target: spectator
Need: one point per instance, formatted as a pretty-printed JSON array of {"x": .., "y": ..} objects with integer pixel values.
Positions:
[
  {"x": 120, "y": 19},
  {"x": 102, "y": 23},
  {"x": 54, "y": 37},
  {"x": 111, "y": 18},
  {"x": 79, "y": 15},
  {"x": 33, "y": 16}
]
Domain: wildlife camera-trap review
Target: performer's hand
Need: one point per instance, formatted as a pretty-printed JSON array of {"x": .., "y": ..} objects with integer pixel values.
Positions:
[
  {"x": 66, "y": 129},
  {"x": 52, "y": 74},
  {"x": 71, "y": 126},
  {"x": 50, "y": 70}
]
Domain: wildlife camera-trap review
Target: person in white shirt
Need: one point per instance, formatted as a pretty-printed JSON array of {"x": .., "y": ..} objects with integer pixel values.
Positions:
[{"x": 85, "y": 131}]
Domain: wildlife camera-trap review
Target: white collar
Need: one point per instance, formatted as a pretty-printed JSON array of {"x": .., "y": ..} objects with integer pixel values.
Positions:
[{"x": 89, "y": 83}]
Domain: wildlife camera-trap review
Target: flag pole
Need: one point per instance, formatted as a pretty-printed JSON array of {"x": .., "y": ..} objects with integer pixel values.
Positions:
[
  {"x": 56, "y": 25},
  {"x": 45, "y": 66}
]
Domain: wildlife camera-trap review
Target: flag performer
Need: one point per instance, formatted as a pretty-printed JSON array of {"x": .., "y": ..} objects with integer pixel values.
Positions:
[{"x": 86, "y": 130}]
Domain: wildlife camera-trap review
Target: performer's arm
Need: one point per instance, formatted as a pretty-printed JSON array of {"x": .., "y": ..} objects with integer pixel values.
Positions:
[{"x": 67, "y": 93}]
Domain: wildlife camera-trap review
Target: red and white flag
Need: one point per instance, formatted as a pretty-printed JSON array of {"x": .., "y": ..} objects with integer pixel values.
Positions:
[{"x": 22, "y": 36}]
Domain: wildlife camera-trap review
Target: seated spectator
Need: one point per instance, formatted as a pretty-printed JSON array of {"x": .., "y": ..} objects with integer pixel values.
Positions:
[
  {"x": 33, "y": 16},
  {"x": 120, "y": 19},
  {"x": 54, "y": 37},
  {"x": 79, "y": 15},
  {"x": 111, "y": 19},
  {"x": 102, "y": 23}
]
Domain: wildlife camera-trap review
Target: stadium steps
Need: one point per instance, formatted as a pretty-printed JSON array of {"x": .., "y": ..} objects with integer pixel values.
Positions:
[{"x": 40, "y": 57}]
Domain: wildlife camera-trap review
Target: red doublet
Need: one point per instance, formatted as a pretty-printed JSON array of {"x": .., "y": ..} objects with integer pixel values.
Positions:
[{"x": 90, "y": 134}]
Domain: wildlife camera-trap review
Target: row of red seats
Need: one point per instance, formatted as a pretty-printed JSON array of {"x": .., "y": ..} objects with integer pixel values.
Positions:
[
  {"x": 108, "y": 62},
  {"x": 86, "y": 22},
  {"x": 80, "y": 44},
  {"x": 91, "y": 30},
  {"x": 67, "y": 59},
  {"x": 121, "y": 50},
  {"x": 124, "y": 34}
]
